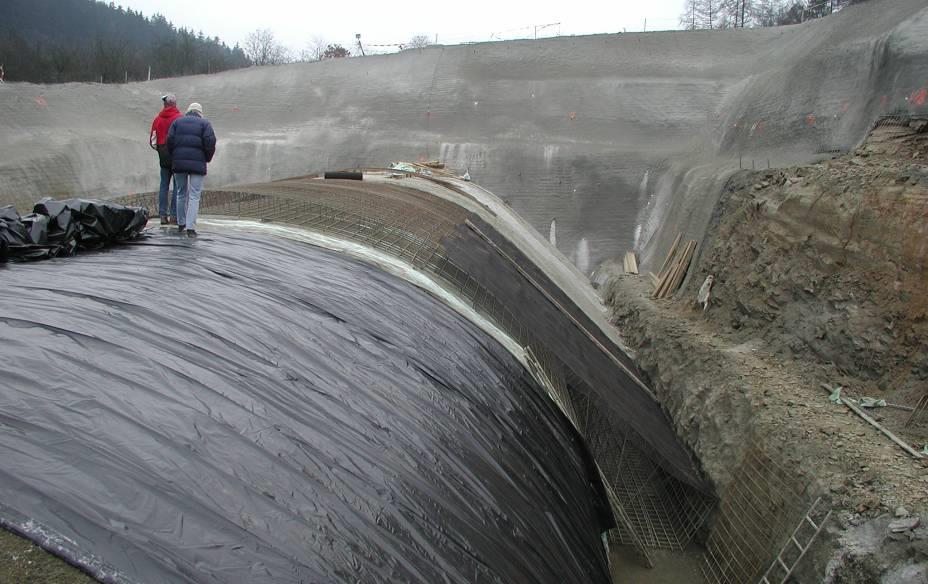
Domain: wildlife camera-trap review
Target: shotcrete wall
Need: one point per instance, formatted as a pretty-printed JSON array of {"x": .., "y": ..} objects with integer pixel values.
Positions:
[{"x": 611, "y": 135}]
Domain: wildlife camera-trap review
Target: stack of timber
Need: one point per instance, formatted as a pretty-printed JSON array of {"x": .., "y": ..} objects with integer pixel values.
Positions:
[
  {"x": 674, "y": 268},
  {"x": 631, "y": 263}
]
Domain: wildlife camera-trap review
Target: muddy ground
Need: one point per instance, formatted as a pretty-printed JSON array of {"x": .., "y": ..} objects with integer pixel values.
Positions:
[{"x": 820, "y": 278}]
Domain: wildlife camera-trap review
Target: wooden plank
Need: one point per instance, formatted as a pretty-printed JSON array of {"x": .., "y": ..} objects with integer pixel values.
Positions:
[
  {"x": 680, "y": 269},
  {"x": 654, "y": 279},
  {"x": 661, "y": 286},
  {"x": 683, "y": 266},
  {"x": 661, "y": 273},
  {"x": 630, "y": 263},
  {"x": 665, "y": 286}
]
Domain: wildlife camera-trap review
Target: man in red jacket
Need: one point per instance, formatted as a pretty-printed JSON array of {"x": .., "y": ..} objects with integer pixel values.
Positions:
[{"x": 158, "y": 140}]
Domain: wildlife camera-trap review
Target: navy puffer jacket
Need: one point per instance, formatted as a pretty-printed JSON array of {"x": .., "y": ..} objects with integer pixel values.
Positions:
[{"x": 192, "y": 143}]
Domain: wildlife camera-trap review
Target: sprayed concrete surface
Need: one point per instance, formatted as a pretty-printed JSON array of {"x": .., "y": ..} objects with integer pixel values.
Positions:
[{"x": 611, "y": 135}]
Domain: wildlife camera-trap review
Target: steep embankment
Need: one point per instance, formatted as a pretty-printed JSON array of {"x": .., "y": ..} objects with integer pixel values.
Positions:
[
  {"x": 611, "y": 135},
  {"x": 819, "y": 278},
  {"x": 830, "y": 262}
]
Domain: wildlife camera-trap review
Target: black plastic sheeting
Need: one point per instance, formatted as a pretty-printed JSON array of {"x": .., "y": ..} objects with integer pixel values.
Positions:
[
  {"x": 61, "y": 228},
  {"x": 249, "y": 409},
  {"x": 613, "y": 390}
]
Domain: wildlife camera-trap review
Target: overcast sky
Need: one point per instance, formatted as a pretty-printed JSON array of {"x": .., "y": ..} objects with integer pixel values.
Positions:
[{"x": 296, "y": 22}]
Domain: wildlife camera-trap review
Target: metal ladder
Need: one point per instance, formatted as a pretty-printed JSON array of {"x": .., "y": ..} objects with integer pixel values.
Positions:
[{"x": 780, "y": 562}]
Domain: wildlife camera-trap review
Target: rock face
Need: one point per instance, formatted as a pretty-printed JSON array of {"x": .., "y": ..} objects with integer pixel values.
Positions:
[
  {"x": 829, "y": 263},
  {"x": 611, "y": 135}
]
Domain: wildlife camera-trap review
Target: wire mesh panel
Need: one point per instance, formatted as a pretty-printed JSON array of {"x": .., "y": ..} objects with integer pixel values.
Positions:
[
  {"x": 757, "y": 513},
  {"x": 663, "y": 512},
  {"x": 653, "y": 510}
]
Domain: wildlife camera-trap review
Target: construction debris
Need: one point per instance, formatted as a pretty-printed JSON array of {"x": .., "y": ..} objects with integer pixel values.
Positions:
[
  {"x": 872, "y": 402},
  {"x": 431, "y": 168},
  {"x": 705, "y": 292},
  {"x": 674, "y": 267},
  {"x": 903, "y": 525},
  {"x": 854, "y": 408}
]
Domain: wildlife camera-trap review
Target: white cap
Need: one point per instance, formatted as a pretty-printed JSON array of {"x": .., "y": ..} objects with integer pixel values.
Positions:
[{"x": 195, "y": 107}]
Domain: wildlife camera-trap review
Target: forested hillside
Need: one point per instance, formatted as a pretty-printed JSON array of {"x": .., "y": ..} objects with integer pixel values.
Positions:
[
  {"x": 49, "y": 41},
  {"x": 702, "y": 14}
]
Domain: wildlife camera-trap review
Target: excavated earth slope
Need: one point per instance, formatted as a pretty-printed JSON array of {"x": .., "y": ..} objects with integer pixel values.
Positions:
[{"x": 819, "y": 278}]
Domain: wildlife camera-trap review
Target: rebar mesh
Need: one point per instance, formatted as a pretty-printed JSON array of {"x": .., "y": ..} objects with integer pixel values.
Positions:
[
  {"x": 662, "y": 512},
  {"x": 757, "y": 513},
  {"x": 653, "y": 509}
]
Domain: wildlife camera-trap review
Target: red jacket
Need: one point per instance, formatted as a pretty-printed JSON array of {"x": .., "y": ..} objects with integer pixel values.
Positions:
[{"x": 161, "y": 125}]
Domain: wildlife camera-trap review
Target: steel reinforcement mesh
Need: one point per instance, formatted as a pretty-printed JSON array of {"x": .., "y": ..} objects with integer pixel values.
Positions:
[
  {"x": 757, "y": 514},
  {"x": 653, "y": 509}
]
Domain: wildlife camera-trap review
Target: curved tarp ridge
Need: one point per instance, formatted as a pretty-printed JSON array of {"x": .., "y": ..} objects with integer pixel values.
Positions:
[{"x": 246, "y": 409}]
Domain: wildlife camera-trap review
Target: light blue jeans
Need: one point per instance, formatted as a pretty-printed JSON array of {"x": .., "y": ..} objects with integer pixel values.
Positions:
[
  {"x": 190, "y": 186},
  {"x": 166, "y": 207}
]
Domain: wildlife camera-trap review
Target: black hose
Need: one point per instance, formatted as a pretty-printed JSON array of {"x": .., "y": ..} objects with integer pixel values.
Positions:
[{"x": 344, "y": 175}]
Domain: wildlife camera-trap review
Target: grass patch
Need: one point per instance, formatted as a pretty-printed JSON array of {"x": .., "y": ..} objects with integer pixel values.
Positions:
[{"x": 23, "y": 562}]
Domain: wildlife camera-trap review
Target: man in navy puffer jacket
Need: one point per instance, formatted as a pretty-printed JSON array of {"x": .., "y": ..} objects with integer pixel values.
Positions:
[{"x": 192, "y": 144}]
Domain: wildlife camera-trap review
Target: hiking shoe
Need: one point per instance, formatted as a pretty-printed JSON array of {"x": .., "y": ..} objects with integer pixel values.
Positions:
[
  {"x": 165, "y": 220},
  {"x": 191, "y": 233},
  {"x": 172, "y": 220},
  {"x": 181, "y": 229}
]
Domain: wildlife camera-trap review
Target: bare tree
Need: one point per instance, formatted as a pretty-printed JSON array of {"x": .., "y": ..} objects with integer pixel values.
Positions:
[
  {"x": 738, "y": 13},
  {"x": 701, "y": 14},
  {"x": 314, "y": 50},
  {"x": 765, "y": 12},
  {"x": 698, "y": 14},
  {"x": 262, "y": 48},
  {"x": 688, "y": 18},
  {"x": 417, "y": 42}
]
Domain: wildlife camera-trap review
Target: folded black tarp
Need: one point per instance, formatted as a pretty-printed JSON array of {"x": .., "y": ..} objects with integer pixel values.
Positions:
[{"x": 61, "y": 228}]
